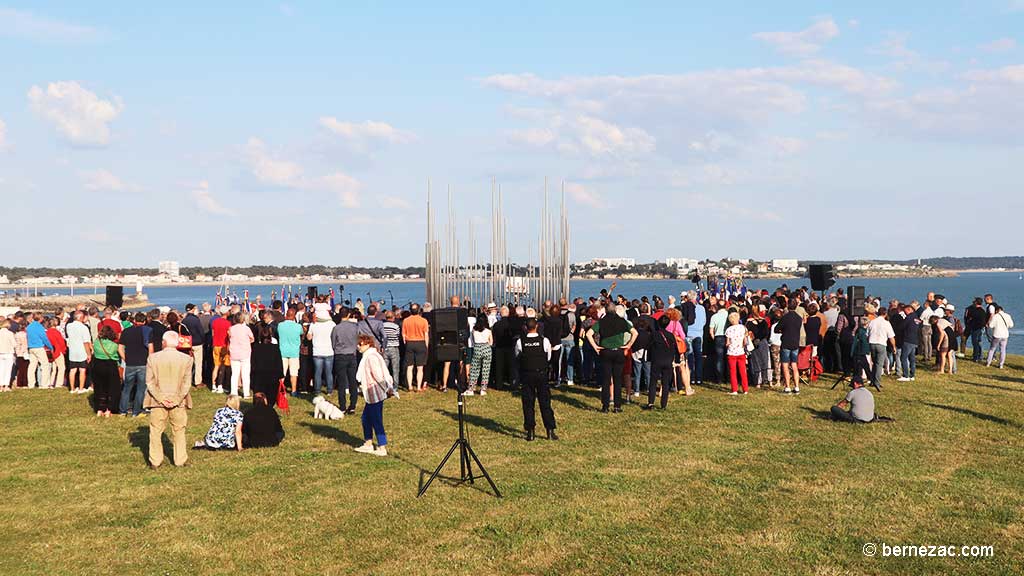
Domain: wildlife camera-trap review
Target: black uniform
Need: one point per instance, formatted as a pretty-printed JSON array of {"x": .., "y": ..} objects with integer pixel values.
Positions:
[{"x": 533, "y": 369}]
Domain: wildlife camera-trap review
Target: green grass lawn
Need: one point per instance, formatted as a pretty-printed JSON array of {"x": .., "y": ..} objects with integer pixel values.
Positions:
[{"x": 714, "y": 485}]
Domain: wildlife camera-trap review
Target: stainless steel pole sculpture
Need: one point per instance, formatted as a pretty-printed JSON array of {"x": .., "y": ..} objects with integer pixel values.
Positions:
[{"x": 501, "y": 280}]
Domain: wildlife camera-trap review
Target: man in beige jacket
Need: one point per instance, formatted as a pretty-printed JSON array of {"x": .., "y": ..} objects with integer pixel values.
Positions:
[{"x": 168, "y": 396}]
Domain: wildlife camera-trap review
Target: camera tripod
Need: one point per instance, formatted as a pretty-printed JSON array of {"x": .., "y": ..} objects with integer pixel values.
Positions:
[{"x": 466, "y": 454}]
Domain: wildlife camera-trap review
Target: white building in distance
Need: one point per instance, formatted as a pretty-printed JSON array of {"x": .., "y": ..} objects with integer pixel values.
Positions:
[
  {"x": 613, "y": 262},
  {"x": 681, "y": 264},
  {"x": 785, "y": 264},
  {"x": 169, "y": 267}
]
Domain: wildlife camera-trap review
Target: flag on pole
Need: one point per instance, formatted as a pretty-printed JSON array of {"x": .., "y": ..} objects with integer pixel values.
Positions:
[{"x": 332, "y": 298}]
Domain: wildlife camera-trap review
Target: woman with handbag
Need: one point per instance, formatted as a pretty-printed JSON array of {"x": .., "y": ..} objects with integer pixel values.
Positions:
[
  {"x": 106, "y": 380},
  {"x": 663, "y": 354},
  {"x": 676, "y": 328},
  {"x": 736, "y": 339},
  {"x": 377, "y": 385},
  {"x": 760, "y": 355}
]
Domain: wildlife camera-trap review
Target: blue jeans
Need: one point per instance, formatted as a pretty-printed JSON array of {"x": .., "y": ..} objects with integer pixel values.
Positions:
[
  {"x": 878, "y": 355},
  {"x": 908, "y": 360},
  {"x": 976, "y": 343},
  {"x": 133, "y": 376},
  {"x": 567, "y": 346},
  {"x": 720, "y": 359},
  {"x": 695, "y": 358},
  {"x": 323, "y": 372},
  {"x": 589, "y": 362},
  {"x": 373, "y": 423},
  {"x": 641, "y": 368}
]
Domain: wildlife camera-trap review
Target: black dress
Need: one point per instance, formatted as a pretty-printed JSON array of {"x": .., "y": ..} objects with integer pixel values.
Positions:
[
  {"x": 266, "y": 370},
  {"x": 261, "y": 427}
]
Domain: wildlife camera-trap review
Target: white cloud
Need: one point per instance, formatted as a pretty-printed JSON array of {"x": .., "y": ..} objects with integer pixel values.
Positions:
[
  {"x": 1000, "y": 45},
  {"x": 22, "y": 24},
  {"x": 105, "y": 181},
  {"x": 730, "y": 210},
  {"x": 365, "y": 133},
  {"x": 394, "y": 203},
  {"x": 3, "y": 135},
  {"x": 580, "y": 194},
  {"x": 205, "y": 201},
  {"x": 270, "y": 170},
  {"x": 803, "y": 43},
  {"x": 903, "y": 58},
  {"x": 80, "y": 116},
  {"x": 280, "y": 173},
  {"x": 584, "y": 134}
]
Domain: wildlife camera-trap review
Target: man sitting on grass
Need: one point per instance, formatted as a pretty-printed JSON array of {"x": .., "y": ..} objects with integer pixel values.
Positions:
[{"x": 861, "y": 402}]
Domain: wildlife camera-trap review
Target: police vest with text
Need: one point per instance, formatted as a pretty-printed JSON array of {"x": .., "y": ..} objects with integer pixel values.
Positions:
[{"x": 533, "y": 357}]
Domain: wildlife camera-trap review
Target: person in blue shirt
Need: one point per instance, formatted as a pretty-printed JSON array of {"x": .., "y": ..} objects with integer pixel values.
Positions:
[
  {"x": 38, "y": 344},
  {"x": 695, "y": 338}
]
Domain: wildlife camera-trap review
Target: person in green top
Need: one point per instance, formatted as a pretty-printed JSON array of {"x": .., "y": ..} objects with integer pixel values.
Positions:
[
  {"x": 125, "y": 320},
  {"x": 289, "y": 337},
  {"x": 860, "y": 351},
  {"x": 616, "y": 336},
  {"x": 105, "y": 376}
]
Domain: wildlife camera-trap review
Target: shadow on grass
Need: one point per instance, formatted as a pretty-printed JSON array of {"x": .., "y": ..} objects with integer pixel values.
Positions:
[
  {"x": 1009, "y": 379},
  {"x": 572, "y": 400},
  {"x": 820, "y": 414},
  {"x": 974, "y": 413},
  {"x": 480, "y": 485},
  {"x": 140, "y": 439},
  {"x": 333, "y": 433},
  {"x": 993, "y": 386},
  {"x": 483, "y": 422}
]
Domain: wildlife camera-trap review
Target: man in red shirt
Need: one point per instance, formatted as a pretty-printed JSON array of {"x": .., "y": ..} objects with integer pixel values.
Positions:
[
  {"x": 110, "y": 319},
  {"x": 219, "y": 327}
]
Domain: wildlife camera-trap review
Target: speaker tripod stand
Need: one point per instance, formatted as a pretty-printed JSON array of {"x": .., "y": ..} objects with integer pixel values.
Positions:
[{"x": 466, "y": 457}]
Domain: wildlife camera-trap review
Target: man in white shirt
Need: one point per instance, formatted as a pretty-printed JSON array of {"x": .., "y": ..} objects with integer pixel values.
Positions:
[
  {"x": 323, "y": 351},
  {"x": 79, "y": 349},
  {"x": 880, "y": 334}
]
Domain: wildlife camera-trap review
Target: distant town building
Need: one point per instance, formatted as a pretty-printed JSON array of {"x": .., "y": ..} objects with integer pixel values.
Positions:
[
  {"x": 169, "y": 267},
  {"x": 785, "y": 264},
  {"x": 682, "y": 264},
  {"x": 613, "y": 262}
]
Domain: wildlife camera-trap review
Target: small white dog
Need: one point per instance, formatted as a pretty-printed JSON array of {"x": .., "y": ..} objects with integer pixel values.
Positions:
[{"x": 322, "y": 408}]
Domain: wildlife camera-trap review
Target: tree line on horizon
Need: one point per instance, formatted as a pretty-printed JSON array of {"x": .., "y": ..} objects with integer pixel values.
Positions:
[{"x": 15, "y": 273}]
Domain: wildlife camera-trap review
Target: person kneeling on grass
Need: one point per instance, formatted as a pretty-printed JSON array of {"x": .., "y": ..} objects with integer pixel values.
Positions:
[
  {"x": 377, "y": 385},
  {"x": 261, "y": 426},
  {"x": 860, "y": 401},
  {"x": 226, "y": 431}
]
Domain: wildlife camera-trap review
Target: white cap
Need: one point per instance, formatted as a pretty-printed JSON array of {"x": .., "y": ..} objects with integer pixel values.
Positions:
[
  {"x": 950, "y": 307},
  {"x": 224, "y": 309}
]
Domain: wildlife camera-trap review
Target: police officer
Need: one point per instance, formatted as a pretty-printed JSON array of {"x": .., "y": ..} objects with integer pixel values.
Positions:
[{"x": 534, "y": 352}]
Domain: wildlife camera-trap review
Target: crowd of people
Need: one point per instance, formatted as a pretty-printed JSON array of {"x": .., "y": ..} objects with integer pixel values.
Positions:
[{"x": 636, "y": 351}]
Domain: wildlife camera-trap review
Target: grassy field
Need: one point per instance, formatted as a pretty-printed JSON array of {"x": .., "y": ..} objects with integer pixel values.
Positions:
[{"x": 714, "y": 485}]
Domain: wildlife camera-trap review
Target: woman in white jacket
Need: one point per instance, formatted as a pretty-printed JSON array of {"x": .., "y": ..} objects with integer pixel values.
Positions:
[
  {"x": 1000, "y": 324},
  {"x": 377, "y": 385}
]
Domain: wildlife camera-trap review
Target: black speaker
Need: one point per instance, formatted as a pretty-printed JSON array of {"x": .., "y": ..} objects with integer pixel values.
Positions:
[
  {"x": 115, "y": 296},
  {"x": 821, "y": 275},
  {"x": 311, "y": 292},
  {"x": 449, "y": 333},
  {"x": 855, "y": 300}
]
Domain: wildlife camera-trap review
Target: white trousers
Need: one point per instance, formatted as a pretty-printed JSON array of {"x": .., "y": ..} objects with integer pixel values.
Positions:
[{"x": 240, "y": 371}]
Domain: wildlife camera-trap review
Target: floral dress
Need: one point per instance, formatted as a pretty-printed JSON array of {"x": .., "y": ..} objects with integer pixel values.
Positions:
[{"x": 222, "y": 431}]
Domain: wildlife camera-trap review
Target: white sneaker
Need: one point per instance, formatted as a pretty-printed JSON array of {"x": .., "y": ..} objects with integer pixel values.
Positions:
[
  {"x": 380, "y": 451},
  {"x": 636, "y": 394},
  {"x": 467, "y": 393},
  {"x": 796, "y": 390},
  {"x": 366, "y": 448},
  {"x": 483, "y": 392},
  {"x": 787, "y": 391},
  {"x": 901, "y": 379},
  {"x": 734, "y": 393}
]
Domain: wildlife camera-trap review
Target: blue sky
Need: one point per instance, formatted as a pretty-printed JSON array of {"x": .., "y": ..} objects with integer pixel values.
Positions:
[{"x": 241, "y": 133}]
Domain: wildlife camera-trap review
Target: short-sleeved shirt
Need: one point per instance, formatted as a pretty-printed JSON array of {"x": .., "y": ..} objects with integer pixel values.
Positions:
[
  {"x": 862, "y": 404},
  {"x": 222, "y": 431},
  {"x": 78, "y": 336},
  {"x": 789, "y": 326},
  {"x": 115, "y": 325},
  {"x": 415, "y": 329},
  {"x": 105, "y": 350},
  {"x": 220, "y": 327},
  {"x": 289, "y": 336},
  {"x": 240, "y": 346},
  {"x": 880, "y": 331},
  {"x": 736, "y": 337},
  {"x": 135, "y": 340}
]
